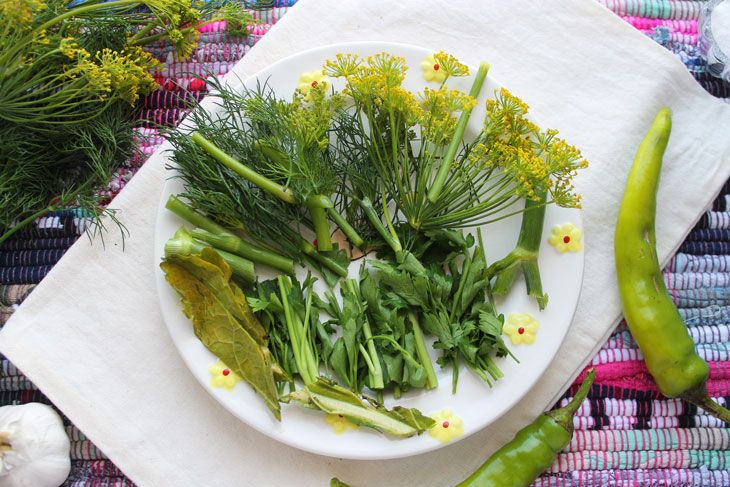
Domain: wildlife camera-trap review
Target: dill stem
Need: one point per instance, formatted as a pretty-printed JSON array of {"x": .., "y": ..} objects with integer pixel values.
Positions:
[
  {"x": 352, "y": 235},
  {"x": 221, "y": 238},
  {"x": 321, "y": 228},
  {"x": 386, "y": 215},
  {"x": 369, "y": 210},
  {"x": 25, "y": 222},
  {"x": 235, "y": 245},
  {"x": 443, "y": 170},
  {"x": 186, "y": 212},
  {"x": 524, "y": 255},
  {"x": 144, "y": 31},
  {"x": 244, "y": 171}
]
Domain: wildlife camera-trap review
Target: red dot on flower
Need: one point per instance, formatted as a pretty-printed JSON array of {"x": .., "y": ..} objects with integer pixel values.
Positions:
[
  {"x": 566, "y": 239},
  {"x": 520, "y": 330},
  {"x": 445, "y": 424},
  {"x": 341, "y": 416},
  {"x": 226, "y": 371},
  {"x": 436, "y": 67},
  {"x": 314, "y": 83}
]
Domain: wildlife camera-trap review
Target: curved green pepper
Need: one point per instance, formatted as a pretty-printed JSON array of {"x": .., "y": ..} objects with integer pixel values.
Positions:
[
  {"x": 652, "y": 317},
  {"x": 533, "y": 449}
]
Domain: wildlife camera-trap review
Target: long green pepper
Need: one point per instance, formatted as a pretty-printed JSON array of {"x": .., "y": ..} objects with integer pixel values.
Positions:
[
  {"x": 533, "y": 449},
  {"x": 652, "y": 316}
]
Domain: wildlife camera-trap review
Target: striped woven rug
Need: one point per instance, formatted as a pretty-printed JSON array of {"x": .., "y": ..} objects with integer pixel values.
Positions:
[{"x": 627, "y": 434}]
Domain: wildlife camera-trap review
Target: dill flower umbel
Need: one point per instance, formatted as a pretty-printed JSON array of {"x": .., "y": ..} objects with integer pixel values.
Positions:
[
  {"x": 535, "y": 160},
  {"x": 19, "y": 14}
]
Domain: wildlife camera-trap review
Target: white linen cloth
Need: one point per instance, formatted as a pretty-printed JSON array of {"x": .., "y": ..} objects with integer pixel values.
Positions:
[{"x": 91, "y": 335}]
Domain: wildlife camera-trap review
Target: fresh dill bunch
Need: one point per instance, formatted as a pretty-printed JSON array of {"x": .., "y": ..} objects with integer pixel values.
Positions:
[
  {"x": 415, "y": 142},
  {"x": 66, "y": 68},
  {"x": 288, "y": 147},
  {"x": 406, "y": 134},
  {"x": 233, "y": 201},
  {"x": 43, "y": 171}
]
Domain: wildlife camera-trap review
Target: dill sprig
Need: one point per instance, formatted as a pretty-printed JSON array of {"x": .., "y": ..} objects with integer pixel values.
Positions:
[{"x": 71, "y": 76}]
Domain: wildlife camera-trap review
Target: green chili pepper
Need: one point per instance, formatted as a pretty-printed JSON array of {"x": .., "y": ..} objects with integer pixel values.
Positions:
[
  {"x": 533, "y": 449},
  {"x": 652, "y": 317}
]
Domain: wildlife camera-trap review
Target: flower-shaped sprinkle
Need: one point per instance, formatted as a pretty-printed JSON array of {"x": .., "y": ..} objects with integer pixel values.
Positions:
[
  {"x": 521, "y": 328},
  {"x": 432, "y": 69},
  {"x": 309, "y": 80},
  {"x": 222, "y": 376},
  {"x": 447, "y": 426},
  {"x": 340, "y": 423},
  {"x": 566, "y": 238}
]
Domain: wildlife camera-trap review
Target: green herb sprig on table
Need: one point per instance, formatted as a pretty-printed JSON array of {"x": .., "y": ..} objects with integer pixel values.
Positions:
[{"x": 71, "y": 76}]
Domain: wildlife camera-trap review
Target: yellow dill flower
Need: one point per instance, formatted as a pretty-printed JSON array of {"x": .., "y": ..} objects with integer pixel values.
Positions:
[
  {"x": 391, "y": 68},
  {"x": 343, "y": 65},
  {"x": 536, "y": 160},
  {"x": 439, "y": 107},
  {"x": 128, "y": 72},
  {"x": 310, "y": 116},
  {"x": 19, "y": 14},
  {"x": 450, "y": 66}
]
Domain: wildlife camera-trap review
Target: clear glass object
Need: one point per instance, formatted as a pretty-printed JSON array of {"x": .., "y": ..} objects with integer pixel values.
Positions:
[{"x": 717, "y": 57}]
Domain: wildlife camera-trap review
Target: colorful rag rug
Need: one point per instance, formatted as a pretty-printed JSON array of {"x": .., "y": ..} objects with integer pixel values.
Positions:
[{"x": 627, "y": 434}]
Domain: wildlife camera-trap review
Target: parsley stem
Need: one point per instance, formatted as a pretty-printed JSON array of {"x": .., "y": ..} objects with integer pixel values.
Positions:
[
  {"x": 297, "y": 335},
  {"x": 309, "y": 250},
  {"x": 422, "y": 352}
]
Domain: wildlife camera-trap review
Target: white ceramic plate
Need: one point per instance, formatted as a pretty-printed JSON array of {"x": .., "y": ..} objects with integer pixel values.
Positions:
[{"x": 476, "y": 403}]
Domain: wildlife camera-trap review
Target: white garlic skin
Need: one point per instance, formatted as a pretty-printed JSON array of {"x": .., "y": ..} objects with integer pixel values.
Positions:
[{"x": 39, "y": 454}]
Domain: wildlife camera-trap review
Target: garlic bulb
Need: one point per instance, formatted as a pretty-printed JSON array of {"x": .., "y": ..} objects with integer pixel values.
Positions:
[{"x": 34, "y": 447}]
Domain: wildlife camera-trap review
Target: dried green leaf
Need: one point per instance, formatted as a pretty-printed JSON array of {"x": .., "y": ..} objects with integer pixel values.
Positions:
[{"x": 327, "y": 396}]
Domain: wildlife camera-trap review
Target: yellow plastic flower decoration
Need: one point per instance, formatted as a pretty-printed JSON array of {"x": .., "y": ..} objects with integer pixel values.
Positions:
[
  {"x": 521, "y": 328},
  {"x": 340, "y": 423},
  {"x": 432, "y": 69},
  {"x": 566, "y": 238},
  {"x": 222, "y": 376},
  {"x": 311, "y": 79},
  {"x": 447, "y": 426}
]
